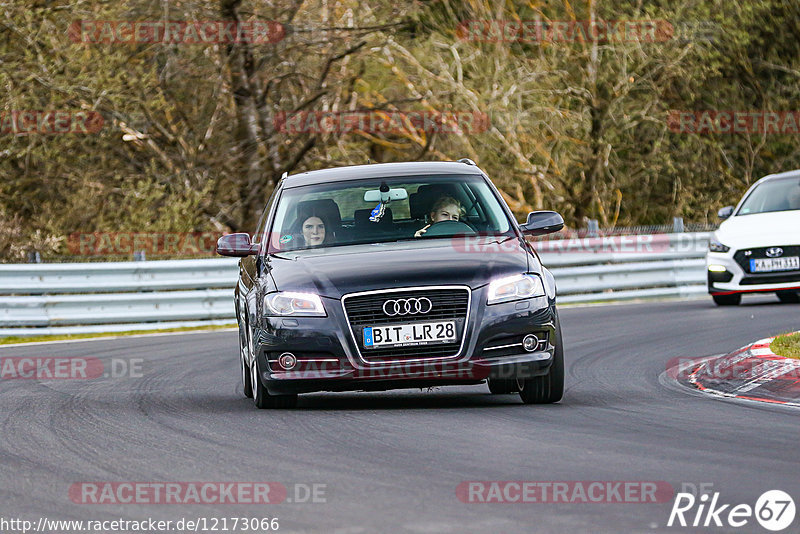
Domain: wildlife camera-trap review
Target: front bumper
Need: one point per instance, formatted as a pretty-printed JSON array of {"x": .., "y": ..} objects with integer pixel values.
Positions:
[
  {"x": 735, "y": 280},
  {"x": 327, "y": 359}
]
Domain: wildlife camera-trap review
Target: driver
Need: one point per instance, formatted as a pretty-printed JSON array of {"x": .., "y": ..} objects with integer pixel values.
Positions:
[
  {"x": 313, "y": 231},
  {"x": 446, "y": 208},
  {"x": 312, "y": 228}
]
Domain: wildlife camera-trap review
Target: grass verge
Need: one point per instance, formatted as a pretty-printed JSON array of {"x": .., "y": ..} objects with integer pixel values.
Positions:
[
  {"x": 63, "y": 337},
  {"x": 786, "y": 345}
]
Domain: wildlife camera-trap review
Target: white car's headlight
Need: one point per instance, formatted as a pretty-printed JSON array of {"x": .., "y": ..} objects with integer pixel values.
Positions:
[
  {"x": 295, "y": 304},
  {"x": 715, "y": 246},
  {"x": 516, "y": 287}
]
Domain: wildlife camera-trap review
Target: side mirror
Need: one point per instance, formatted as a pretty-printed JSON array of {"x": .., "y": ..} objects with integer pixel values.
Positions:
[
  {"x": 542, "y": 222},
  {"x": 725, "y": 212},
  {"x": 237, "y": 245}
]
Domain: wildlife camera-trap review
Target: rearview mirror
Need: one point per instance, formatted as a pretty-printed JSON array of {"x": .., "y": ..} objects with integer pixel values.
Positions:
[
  {"x": 236, "y": 245},
  {"x": 542, "y": 222},
  {"x": 725, "y": 212},
  {"x": 374, "y": 195}
]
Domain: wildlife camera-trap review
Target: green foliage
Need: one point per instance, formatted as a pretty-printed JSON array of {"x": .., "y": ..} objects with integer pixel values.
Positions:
[
  {"x": 786, "y": 345},
  {"x": 189, "y": 140}
]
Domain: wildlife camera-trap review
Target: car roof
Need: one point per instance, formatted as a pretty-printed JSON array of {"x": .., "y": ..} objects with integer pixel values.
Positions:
[
  {"x": 378, "y": 170},
  {"x": 780, "y": 175}
]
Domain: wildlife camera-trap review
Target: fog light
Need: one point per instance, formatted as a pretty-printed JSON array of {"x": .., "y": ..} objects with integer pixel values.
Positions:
[
  {"x": 717, "y": 268},
  {"x": 530, "y": 342},
  {"x": 287, "y": 361}
]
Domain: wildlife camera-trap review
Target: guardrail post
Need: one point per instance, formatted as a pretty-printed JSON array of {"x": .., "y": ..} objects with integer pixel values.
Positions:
[
  {"x": 677, "y": 225},
  {"x": 139, "y": 255},
  {"x": 34, "y": 257},
  {"x": 593, "y": 228}
]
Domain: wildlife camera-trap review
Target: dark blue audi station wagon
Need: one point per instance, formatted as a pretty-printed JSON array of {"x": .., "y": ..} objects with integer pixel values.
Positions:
[{"x": 394, "y": 275}]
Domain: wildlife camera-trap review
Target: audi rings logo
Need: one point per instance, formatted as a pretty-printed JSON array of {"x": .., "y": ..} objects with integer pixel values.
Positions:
[
  {"x": 412, "y": 306},
  {"x": 774, "y": 252}
]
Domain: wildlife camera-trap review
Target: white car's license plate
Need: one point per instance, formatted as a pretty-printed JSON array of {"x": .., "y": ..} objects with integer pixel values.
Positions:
[
  {"x": 394, "y": 335},
  {"x": 764, "y": 265}
]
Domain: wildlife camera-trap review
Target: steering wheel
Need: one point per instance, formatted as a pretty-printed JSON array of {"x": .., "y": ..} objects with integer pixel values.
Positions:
[{"x": 448, "y": 228}]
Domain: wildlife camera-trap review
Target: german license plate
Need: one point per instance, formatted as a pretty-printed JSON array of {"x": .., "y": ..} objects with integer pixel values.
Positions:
[
  {"x": 400, "y": 335},
  {"x": 765, "y": 265}
]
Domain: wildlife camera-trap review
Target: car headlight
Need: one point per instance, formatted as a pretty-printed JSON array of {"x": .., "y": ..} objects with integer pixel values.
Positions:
[
  {"x": 285, "y": 303},
  {"x": 715, "y": 246},
  {"x": 516, "y": 287}
]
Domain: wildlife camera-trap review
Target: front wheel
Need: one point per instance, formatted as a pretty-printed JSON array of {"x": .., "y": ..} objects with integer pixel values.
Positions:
[
  {"x": 727, "y": 300},
  {"x": 247, "y": 385},
  {"x": 789, "y": 297},
  {"x": 262, "y": 397},
  {"x": 549, "y": 388}
]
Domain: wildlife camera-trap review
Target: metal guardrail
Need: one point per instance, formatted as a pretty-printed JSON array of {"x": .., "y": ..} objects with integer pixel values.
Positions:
[
  {"x": 43, "y": 299},
  {"x": 627, "y": 267},
  {"x": 116, "y": 277}
]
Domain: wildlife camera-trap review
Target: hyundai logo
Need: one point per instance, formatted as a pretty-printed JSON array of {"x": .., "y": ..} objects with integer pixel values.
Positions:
[
  {"x": 774, "y": 252},
  {"x": 410, "y": 306}
]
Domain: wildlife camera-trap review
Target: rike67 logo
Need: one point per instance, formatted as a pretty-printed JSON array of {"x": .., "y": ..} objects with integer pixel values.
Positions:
[{"x": 774, "y": 510}]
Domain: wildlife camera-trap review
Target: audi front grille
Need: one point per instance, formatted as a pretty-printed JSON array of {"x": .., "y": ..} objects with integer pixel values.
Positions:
[{"x": 367, "y": 309}]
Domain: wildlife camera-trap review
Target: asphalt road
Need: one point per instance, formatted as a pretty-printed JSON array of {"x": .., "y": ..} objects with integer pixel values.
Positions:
[{"x": 391, "y": 462}]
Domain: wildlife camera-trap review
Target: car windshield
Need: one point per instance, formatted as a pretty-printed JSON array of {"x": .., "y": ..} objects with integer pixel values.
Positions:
[
  {"x": 386, "y": 209},
  {"x": 774, "y": 195}
]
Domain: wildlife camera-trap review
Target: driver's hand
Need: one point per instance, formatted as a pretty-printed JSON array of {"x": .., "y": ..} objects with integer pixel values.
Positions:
[{"x": 421, "y": 231}]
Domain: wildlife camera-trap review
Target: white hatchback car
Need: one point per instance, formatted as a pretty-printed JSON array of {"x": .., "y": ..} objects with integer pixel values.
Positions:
[{"x": 757, "y": 248}]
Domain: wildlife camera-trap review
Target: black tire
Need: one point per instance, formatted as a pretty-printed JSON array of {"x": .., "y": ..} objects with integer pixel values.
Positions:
[
  {"x": 247, "y": 384},
  {"x": 502, "y": 386},
  {"x": 789, "y": 297},
  {"x": 727, "y": 300},
  {"x": 261, "y": 396},
  {"x": 549, "y": 388}
]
